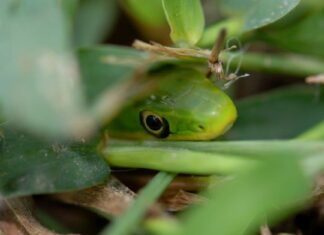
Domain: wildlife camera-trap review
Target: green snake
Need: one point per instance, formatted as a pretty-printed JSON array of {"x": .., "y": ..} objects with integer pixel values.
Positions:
[{"x": 185, "y": 105}]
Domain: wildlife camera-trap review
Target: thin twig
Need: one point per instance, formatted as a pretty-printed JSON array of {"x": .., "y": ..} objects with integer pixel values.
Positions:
[
  {"x": 317, "y": 79},
  {"x": 214, "y": 63},
  {"x": 265, "y": 230},
  {"x": 172, "y": 52}
]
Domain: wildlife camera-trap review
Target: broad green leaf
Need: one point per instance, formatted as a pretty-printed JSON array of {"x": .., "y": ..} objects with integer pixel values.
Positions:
[
  {"x": 31, "y": 165},
  {"x": 240, "y": 206},
  {"x": 146, "y": 12},
  {"x": 39, "y": 81},
  {"x": 258, "y": 13},
  {"x": 302, "y": 36},
  {"x": 106, "y": 67},
  {"x": 280, "y": 114},
  {"x": 186, "y": 20},
  {"x": 94, "y": 21},
  {"x": 314, "y": 133}
]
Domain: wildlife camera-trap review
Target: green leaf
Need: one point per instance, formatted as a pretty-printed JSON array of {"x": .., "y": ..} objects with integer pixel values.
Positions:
[
  {"x": 240, "y": 206},
  {"x": 147, "y": 12},
  {"x": 258, "y": 13},
  {"x": 39, "y": 82},
  {"x": 301, "y": 37},
  {"x": 94, "y": 21},
  {"x": 31, "y": 165},
  {"x": 280, "y": 114},
  {"x": 186, "y": 20},
  {"x": 314, "y": 133},
  {"x": 106, "y": 67}
]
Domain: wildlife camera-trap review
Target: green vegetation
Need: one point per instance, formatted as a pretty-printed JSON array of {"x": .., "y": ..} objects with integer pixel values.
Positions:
[{"x": 62, "y": 82}]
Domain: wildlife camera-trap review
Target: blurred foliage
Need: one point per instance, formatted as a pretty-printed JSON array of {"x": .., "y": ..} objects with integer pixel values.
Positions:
[
  {"x": 301, "y": 37},
  {"x": 32, "y": 165},
  {"x": 256, "y": 14},
  {"x": 142, "y": 10},
  {"x": 295, "y": 108},
  {"x": 57, "y": 86},
  {"x": 253, "y": 200},
  {"x": 94, "y": 20},
  {"x": 105, "y": 67},
  {"x": 40, "y": 87}
]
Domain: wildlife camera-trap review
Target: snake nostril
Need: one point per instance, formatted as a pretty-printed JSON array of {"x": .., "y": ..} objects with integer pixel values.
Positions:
[{"x": 201, "y": 127}]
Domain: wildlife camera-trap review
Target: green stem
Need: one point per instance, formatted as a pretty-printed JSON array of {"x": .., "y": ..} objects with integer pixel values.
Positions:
[
  {"x": 296, "y": 65},
  {"x": 176, "y": 159},
  {"x": 126, "y": 223}
]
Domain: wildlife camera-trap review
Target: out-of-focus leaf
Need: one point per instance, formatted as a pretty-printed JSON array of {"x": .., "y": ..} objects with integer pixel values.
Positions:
[
  {"x": 39, "y": 80},
  {"x": 106, "y": 67},
  {"x": 280, "y": 114},
  {"x": 241, "y": 206},
  {"x": 314, "y": 133},
  {"x": 186, "y": 20},
  {"x": 30, "y": 165},
  {"x": 258, "y": 13},
  {"x": 94, "y": 21},
  {"x": 69, "y": 9},
  {"x": 302, "y": 37},
  {"x": 147, "y": 12}
]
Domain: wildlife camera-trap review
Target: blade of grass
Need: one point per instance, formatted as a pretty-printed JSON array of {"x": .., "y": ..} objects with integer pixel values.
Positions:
[
  {"x": 176, "y": 160},
  {"x": 209, "y": 157},
  {"x": 126, "y": 223}
]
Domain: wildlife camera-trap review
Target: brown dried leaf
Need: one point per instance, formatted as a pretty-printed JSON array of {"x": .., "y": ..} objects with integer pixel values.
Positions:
[
  {"x": 317, "y": 79},
  {"x": 181, "y": 200},
  {"x": 17, "y": 218},
  {"x": 180, "y": 53},
  {"x": 112, "y": 198}
]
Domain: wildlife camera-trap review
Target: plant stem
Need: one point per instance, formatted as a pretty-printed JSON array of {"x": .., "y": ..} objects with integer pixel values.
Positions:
[
  {"x": 125, "y": 223},
  {"x": 289, "y": 64},
  {"x": 176, "y": 159}
]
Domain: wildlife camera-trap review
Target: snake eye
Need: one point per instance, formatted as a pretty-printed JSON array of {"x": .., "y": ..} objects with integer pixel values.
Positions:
[{"x": 154, "y": 124}]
